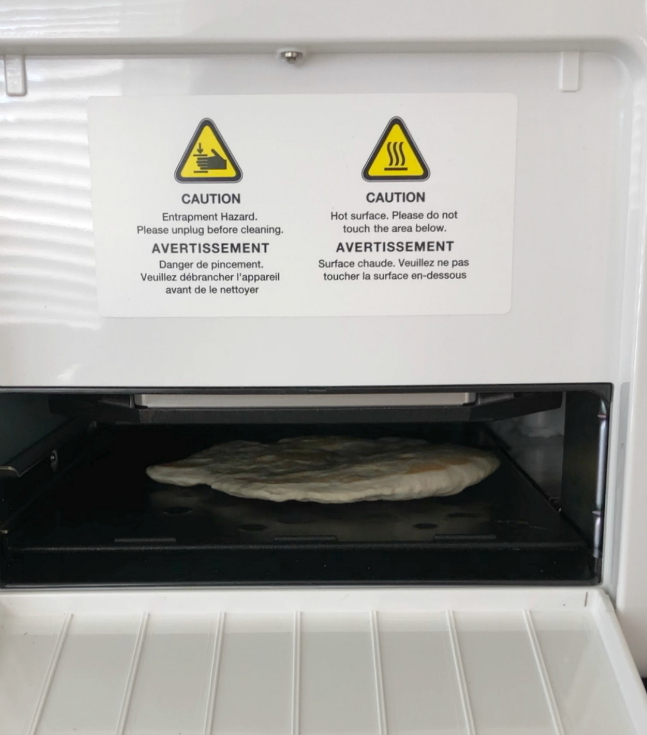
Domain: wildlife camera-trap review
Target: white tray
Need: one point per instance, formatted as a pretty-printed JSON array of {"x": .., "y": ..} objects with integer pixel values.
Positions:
[{"x": 316, "y": 662}]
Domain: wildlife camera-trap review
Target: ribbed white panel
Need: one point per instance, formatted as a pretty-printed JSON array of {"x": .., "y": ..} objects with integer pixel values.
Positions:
[{"x": 260, "y": 662}]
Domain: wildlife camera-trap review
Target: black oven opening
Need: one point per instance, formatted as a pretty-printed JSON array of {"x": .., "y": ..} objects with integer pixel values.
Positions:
[{"x": 77, "y": 507}]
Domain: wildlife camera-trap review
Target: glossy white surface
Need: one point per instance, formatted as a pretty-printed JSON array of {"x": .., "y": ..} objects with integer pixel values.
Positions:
[
  {"x": 337, "y": 661},
  {"x": 312, "y": 24},
  {"x": 567, "y": 269}
]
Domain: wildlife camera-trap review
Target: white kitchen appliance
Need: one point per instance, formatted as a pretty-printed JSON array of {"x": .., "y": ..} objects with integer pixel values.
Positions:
[{"x": 252, "y": 219}]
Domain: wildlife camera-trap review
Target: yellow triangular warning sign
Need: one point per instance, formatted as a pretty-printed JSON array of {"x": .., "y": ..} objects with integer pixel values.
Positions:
[
  {"x": 396, "y": 156},
  {"x": 208, "y": 158}
]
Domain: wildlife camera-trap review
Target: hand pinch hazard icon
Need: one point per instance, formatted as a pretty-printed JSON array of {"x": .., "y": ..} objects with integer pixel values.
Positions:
[
  {"x": 208, "y": 158},
  {"x": 204, "y": 162}
]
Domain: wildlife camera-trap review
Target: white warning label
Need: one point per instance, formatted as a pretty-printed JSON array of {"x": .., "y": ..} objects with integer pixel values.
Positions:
[{"x": 350, "y": 205}]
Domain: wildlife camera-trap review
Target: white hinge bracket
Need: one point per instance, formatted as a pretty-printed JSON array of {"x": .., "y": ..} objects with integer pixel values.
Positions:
[
  {"x": 569, "y": 71},
  {"x": 15, "y": 79}
]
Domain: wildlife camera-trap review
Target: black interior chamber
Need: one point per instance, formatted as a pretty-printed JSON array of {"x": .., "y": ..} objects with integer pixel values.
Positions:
[{"x": 78, "y": 508}]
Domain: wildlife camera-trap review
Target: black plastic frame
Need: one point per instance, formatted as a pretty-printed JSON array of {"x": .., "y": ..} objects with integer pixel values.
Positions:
[
  {"x": 315, "y": 561},
  {"x": 122, "y": 410}
]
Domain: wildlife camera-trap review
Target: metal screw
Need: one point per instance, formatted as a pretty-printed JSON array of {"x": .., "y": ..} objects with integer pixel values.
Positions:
[
  {"x": 291, "y": 56},
  {"x": 53, "y": 460}
]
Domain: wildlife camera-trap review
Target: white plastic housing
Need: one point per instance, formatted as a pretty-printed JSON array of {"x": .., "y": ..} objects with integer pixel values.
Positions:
[{"x": 577, "y": 68}]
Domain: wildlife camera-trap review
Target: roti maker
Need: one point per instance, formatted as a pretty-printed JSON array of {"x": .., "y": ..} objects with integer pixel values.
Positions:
[{"x": 129, "y": 606}]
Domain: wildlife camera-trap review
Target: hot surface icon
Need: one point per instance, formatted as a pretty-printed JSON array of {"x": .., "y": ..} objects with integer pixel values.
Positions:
[{"x": 396, "y": 156}]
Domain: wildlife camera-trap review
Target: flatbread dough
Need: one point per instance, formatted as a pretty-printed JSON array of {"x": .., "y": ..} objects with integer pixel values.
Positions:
[{"x": 331, "y": 469}]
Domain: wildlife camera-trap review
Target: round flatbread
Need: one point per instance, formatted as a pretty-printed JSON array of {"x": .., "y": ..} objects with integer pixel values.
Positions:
[{"x": 329, "y": 469}]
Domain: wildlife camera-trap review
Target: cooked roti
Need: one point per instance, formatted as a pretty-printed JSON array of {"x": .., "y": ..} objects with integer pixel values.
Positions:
[{"x": 331, "y": 469}]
